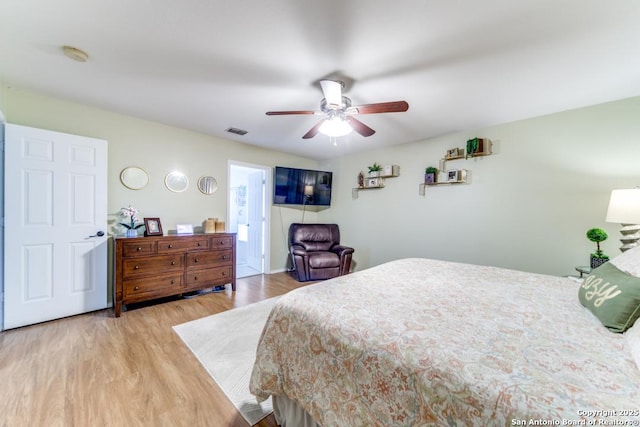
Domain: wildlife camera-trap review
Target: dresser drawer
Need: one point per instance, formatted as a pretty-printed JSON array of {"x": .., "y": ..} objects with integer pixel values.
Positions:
[
  {"x": 224, "y": 242},
  {"x": 140, "y": 248},
  {"x": 208, "y": 277},
  {"x": 209, "y": 259},
  {"x": 177, "y": 244},
  {"x": 152, "y": 265},
  {"x": 163, "y": 284}
]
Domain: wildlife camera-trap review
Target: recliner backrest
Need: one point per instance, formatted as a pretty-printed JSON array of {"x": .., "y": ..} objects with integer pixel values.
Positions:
[{"x": 314, "y": 237}]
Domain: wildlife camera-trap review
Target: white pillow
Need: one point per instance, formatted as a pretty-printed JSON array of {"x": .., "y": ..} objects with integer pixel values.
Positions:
[
  {"x": 632, "y": 339},
  {"x": 628, "y": 261}
]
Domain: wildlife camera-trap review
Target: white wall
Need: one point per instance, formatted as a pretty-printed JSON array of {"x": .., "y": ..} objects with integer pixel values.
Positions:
[
  {"x": 527, "y": 207},
  {"x": 158, "y": 149}
]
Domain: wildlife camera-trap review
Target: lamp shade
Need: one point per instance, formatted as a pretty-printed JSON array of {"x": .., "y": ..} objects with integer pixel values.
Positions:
[{"x": 624, "y": 206}]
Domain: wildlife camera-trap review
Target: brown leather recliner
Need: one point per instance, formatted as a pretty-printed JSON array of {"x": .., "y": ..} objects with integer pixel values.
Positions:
[{"x": 317, "y": 253}]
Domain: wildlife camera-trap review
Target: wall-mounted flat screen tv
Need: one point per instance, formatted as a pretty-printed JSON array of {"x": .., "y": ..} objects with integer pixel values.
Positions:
[{"x": 301, "y": 187}]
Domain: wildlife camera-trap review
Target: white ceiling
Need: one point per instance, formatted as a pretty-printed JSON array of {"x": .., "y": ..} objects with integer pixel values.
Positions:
[{"x": 210, "y": 65}]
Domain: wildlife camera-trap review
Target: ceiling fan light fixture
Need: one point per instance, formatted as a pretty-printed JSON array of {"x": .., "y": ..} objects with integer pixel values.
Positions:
[{"x": 335, "y": 126}]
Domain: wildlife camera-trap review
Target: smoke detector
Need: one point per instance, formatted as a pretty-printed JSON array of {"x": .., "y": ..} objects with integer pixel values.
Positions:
[{"x": 75, "y": 53}]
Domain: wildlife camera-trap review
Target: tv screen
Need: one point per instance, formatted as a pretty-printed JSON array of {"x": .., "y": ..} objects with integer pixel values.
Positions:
[{"x": 301, "y": 187}]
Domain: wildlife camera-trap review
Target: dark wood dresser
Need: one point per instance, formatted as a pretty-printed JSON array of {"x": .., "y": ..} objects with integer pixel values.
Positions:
[{"x": 159, "y": 266}]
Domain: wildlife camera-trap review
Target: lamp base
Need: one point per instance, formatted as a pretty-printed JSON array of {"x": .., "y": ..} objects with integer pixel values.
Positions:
[{"x": 630, "y": 236}]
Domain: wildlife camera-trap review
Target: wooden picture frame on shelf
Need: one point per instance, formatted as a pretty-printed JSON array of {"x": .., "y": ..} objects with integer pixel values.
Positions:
[
  {"x": 452, "y": 175},
  {"x": 453, "y": 152},
  {"x": 152, "y": 227}
]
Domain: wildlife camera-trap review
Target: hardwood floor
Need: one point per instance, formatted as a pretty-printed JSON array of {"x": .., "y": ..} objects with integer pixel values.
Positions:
[{"x": 98, "y": 370}]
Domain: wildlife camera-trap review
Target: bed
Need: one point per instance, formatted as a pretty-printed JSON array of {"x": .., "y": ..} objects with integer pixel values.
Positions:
[{"x": 421, "y": 342}]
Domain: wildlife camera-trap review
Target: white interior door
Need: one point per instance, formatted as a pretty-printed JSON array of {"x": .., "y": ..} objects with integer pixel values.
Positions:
[
  {"x": 256, "y": 221},
  {"x": 55, "y": 258}
]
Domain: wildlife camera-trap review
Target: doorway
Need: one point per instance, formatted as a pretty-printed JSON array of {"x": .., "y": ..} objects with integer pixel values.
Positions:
[{"x": 248, "y": 216}]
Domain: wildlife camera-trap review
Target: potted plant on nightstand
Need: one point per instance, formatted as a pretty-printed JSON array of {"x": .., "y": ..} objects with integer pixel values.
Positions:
[
  {"x": 374, "y": 170},
  {"x": 597, "y": 235},
  {"x": 430, "y": 175}
]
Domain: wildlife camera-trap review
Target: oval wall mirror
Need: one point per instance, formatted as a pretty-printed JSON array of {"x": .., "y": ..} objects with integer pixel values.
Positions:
[
  {"x": 207, "y": 185},
  {"x": 176, "y": 181},
  {"x": 134, "y": 178}
]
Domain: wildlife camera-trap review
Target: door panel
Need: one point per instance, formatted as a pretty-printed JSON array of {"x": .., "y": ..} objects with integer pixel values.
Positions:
[
  {"x": 256, "y": 221},
  {"x": 55, "y": 203}
]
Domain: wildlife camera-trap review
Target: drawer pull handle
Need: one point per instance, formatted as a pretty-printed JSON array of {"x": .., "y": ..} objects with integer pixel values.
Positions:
[
  {"x": 224, "y": 257},
  {"x": 195, "y": 277},
  {"x": 173, "y": 281},
  {"x": 198, "y": 243},
  {"x": 170, "y": 246},
  {"x": 135, "y": 288},
  {"x": 173, "y": 263},
  {"x": 138, "y": 249},
  {"x": 224, "y": 273},
  {"x": 195, "y": 260},
  {"x": 136, "y": 267}
]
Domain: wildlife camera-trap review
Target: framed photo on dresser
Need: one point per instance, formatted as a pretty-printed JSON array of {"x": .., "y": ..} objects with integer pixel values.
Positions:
[{"x": 152, "y": 227}]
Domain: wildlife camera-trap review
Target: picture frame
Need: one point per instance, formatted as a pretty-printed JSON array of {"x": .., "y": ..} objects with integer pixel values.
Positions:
[
  {"x": 452, "y": 175},
  {"x": 453, "y": 152},
  {"x": 373, "y": 182},
  {"x": 152, "y": 227},
  {"x": 184, "y": 228}
]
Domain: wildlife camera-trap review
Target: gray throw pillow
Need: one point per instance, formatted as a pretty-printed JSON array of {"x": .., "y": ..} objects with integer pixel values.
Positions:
[{"x": 613, "y": 296}]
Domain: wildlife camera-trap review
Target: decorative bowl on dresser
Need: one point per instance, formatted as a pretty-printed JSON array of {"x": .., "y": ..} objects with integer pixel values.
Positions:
[{"x": 159, "y": 266}]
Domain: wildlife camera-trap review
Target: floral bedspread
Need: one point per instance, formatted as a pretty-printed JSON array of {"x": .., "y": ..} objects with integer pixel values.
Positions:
[{"x": 419, "y": 342}]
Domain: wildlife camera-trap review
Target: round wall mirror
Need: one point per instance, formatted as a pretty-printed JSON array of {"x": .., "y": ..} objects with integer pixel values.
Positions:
[
  {"x": 176, "y": 181},
  {"x": 134, "y": 178},
  {"x": 207, "y": 184}
]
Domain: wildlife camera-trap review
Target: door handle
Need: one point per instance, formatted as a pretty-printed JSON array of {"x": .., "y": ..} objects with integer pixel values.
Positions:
[{"x": 98, "y": 234}]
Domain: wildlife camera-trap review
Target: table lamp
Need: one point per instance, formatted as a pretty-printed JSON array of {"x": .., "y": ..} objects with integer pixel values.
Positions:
[{"x": 624, "y": 208}]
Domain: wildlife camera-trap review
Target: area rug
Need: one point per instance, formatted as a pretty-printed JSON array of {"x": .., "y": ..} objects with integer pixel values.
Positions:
[{"x": 225, "y": 344}]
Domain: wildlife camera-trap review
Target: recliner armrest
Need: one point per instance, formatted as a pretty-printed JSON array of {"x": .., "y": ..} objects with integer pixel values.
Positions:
[
  {"x": 298, "y": 250},
  {"x": 341, "y": 250}
]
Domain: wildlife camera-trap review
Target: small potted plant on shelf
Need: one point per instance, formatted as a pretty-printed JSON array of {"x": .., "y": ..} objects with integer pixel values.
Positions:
[
  {"x": 374, "y": 170},
  {"x": 430, "y": 175},
  {"x": 597, "y": 235}
]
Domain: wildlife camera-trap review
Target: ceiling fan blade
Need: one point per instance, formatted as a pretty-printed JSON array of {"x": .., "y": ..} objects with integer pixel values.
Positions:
[
  {"x": 313, "y": 131},
  {"x": 284, "y": 113},
  {"x": 332, "y": 91},
  {"x": 360, "y": 127},
  {"x": 380, "y": 107}
]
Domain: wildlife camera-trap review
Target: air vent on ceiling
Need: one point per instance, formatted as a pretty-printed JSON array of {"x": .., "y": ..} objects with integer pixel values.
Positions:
[{"x": 237, "y": 131}]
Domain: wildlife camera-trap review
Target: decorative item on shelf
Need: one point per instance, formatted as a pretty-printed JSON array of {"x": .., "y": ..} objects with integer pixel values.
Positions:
[
  {"x": 472, "y": 147},
  {"x": 624, "y": 208},
  {"x": 360, "y": 180},
  {"x": 220, "y": 227},
  {"x": 152, "y": 227},
  {"x": 430, "y": 175},
  {"x": 374, "y": 170},
  {"x": 452, "y": 175},
  {"x": 130, "y": 218},
  {"x": 210, "y": 225},
  {"x": 390, "y": 170},
  {"x": 454, "y": 153},
  {"x": 374, "y": 183},
  {"x": 597, "y": 235}
]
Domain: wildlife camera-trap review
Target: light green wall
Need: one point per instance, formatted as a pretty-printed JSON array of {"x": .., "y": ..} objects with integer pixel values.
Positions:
[
  {"x": 158, "y": 149},
  {"x": 527, "y": 207}
]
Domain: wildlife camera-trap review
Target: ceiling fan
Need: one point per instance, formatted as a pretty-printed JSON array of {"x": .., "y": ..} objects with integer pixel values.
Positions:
[{"x": 340, "y": 112}]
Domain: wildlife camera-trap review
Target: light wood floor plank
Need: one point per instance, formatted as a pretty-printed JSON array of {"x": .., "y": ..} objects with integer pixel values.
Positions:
[{"x": 98, "y": 370}]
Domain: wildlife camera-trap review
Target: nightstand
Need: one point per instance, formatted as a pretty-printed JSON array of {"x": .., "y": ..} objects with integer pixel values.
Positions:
[{"x": 583, "y": 269}]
